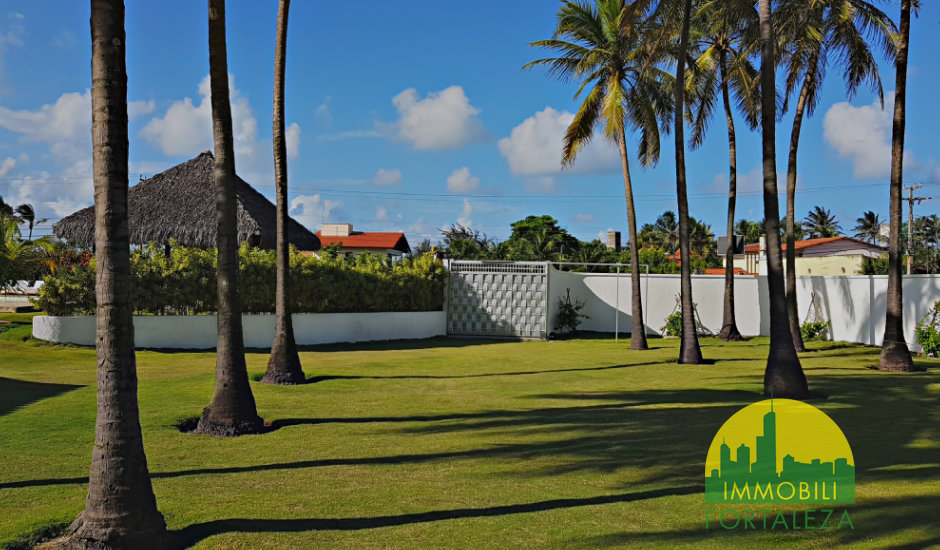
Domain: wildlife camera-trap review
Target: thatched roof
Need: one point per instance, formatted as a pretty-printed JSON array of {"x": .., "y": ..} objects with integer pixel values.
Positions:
[{"x": 179, "y": 204}]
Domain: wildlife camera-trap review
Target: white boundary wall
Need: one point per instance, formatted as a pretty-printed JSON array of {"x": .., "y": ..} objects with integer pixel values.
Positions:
[
  {"x": 854, "y": 304},
  {"x": 199, "y": 331}
]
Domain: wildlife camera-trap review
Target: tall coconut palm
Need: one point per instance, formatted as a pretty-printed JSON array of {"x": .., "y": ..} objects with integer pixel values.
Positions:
[
  {"x": 784, "y": 375},
  {"x": 663, "y": 233},
  {"x": 868, "y": 227},
  {"x": 27, "y": 213},
  {"x": 121, "y": 510},
  {"x": 232, "y": 410},
  {"x": 812, "y": 32},
  {"x": 820, "y": 223},
  {"x": 894, "y": 353},
  {"x": 725, "y": 67},
  {"x": 610, "y": 47},
  {"x": 689, "y": 350},
  {"x": 284, "y": 365}
]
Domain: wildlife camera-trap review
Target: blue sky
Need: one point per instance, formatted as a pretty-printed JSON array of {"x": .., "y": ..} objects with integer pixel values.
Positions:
[{"x": 411, "y": 116}]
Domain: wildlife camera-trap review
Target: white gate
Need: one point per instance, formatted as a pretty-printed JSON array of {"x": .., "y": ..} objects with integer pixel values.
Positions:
[{"x": 486, "y": 298}]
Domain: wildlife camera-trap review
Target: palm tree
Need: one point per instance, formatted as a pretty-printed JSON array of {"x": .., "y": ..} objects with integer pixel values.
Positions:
[
  {"x": 284, "y": 365},
  {"x": 751, "y": 230},
  {"x": 607, "y": 46},
  {"x": 784, "y": 375},
  {"x": 27, "y": 213},
  {"x": 6, "y": 210},
  {"x": 121, "y": 510},
  {"x": 232, "y": 410},
  {"x": 868, "y": 227},
  {"x": 725, "y": 65},
  {"x": 820, "y": 223},
  {"x": 663, "y": 233},
  {"x": 812, "y": 31},
  {"x": 689, "y": 350},
  {"x": 894, "y": 353}
]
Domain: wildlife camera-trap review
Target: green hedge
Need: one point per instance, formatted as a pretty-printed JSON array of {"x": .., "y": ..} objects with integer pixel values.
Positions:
[{"x": 183, "y": 283}]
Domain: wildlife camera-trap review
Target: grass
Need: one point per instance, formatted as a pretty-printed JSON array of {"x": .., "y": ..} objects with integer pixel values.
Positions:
[{"x": 461, "y": 443}]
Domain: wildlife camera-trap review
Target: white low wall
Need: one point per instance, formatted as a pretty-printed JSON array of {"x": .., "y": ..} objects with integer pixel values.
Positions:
[
  {"x": 199, "y": 331},
  {"x": 854, "y": 304}
]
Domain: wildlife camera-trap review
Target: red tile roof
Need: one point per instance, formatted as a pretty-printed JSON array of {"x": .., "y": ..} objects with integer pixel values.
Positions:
[
  {"x": 721, "y": 271},
  {"x": 800, "y": 245},
  {"x": 383, "y": 240}
]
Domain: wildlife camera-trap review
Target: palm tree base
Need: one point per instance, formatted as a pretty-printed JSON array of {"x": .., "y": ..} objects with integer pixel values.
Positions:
[
  {"x": 897, "y": 358},
  {"x": 84, "y": 536},
  {"x": 284, "y": 364},
  {"x": 730, "y": 333},
  {"x": 284, "y": 378},
  {"x": 785, "y": 379},
  {"x": 229, "y": 427}
]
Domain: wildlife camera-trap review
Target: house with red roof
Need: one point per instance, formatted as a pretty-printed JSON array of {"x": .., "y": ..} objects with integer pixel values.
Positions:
[
  {"x": 826, "y": 256},
  {"x": 390, "y": 244}
]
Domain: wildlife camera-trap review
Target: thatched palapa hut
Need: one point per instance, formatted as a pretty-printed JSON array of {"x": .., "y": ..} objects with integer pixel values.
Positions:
[{"x": 179, "y": 204}]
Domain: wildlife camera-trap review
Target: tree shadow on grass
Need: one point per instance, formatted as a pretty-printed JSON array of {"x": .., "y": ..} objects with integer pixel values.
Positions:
[
  {"x": 19, "y": 393},
  {"x": 872, "y": 521},
  {"x": 195, "y": 533},
  {"x": 328, "y": 377}
]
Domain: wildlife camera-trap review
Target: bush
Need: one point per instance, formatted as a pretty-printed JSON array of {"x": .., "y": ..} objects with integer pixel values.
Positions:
[
  {"x": 813, "y": 331},
  {"x": 673, "y": 326},
  {"x": 927, "y": 332},
  {"x": 569, "y": 314},
  {"x": 184, "y": 283}
]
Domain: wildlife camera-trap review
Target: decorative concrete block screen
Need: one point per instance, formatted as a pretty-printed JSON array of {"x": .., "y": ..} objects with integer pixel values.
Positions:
[{"x": 498, "y": 299}]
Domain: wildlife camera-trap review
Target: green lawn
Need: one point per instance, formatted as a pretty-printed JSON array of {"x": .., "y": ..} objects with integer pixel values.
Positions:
[{"x": 468, "y": 444}]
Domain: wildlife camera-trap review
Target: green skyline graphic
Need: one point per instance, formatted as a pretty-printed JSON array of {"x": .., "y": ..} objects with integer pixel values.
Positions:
[{"x": 741, "y": 480}]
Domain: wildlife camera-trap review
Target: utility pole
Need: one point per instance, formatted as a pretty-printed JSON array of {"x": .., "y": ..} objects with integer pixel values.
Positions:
[{"x": 910, "y": 222}]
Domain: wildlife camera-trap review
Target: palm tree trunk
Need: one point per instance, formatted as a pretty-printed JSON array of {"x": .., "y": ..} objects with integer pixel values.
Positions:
[
  {"x": 784, "y": 376},
  {"x": 894, "y": 353},
  {"x": 689, "y": 350},
  {"x": 793, "y": 314},
  {"x": 729, "y": 326},
  {"x": 284, "y": 365},
  {"x": 638, "y": 332},
  {"x": 121, "y": 510},
  {"x": 232, "y": 410}
]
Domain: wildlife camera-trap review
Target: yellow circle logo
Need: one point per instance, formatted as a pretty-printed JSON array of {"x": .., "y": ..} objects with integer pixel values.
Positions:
[{"x": 780, "y": 451}]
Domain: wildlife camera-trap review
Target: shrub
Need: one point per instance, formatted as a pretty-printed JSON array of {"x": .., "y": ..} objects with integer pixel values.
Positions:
[
  {"x": 927, "y": 332},
  {"x": 673, "y": 326},
  {"x": 185, "y": 283},
  {"x": 814, "y": 330},
  {"x": 569, "y": 314}
]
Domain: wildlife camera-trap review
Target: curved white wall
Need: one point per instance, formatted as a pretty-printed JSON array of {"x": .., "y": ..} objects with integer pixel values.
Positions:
[{"x": 199, "y": 331}]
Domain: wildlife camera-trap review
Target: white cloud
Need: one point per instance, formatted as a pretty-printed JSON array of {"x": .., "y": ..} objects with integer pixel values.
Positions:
[
  {"x": 464, "y": 218},
  {"x": 386, "y": 177},
  {"x": 863, "y": 135},
  {"x": 323, "y": 114},
  {"x": 312, "y": 210},
  {"x": 8, "y": 164},
  {"x": 53, "y": 197},
  {"x": 139, "y": 108},
  {"x": 584, "y": 218},
  {"x": 442, "y": 120},
  {"x": 293, "y": 140},
  {"x": 460, "y": 181},
  {"x": 381, "y": 213},
  {"x": 185, "y": 129},
  {"x": 534, "y": 147},
  {"x": 68, "y": 120}
]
